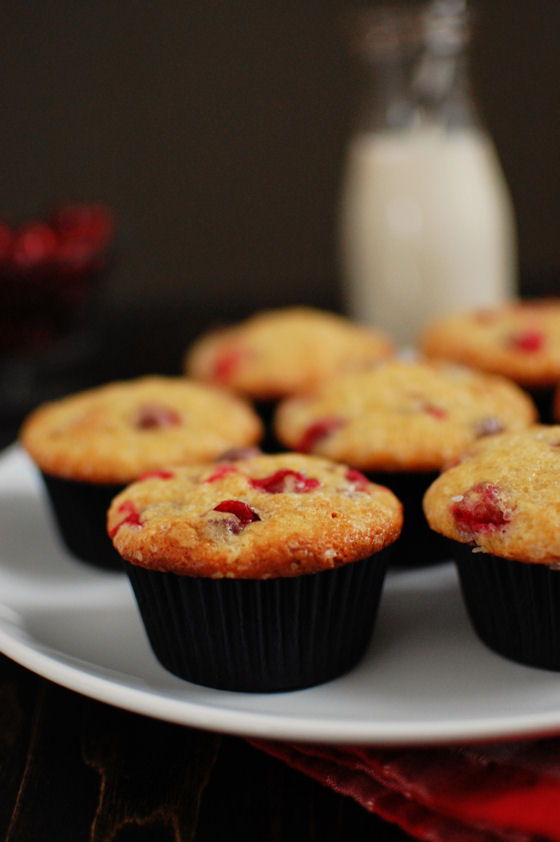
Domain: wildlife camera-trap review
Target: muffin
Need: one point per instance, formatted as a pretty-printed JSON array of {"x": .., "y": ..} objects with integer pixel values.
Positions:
[
  {"x": 89, "y": 445},
  {"x": 259, "y": 574},
  {"x": 284, "y": 352},
  {"x": 519, "y": 340},
  {"x": 500, "y": 510},
  {"x": 277, "y": 353},
  {"x": 401, "y": 422}
]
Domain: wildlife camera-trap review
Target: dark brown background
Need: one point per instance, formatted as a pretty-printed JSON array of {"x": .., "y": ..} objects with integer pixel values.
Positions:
[{"x": 217, "y": 130}]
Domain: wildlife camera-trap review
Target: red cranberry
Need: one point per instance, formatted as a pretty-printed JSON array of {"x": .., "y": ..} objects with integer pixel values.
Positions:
[
  {"x": 132, "y": 517},
  {"x": 243, "y": 514},
  {"x": 235, "y": 453},
  {"x": 421, "y": 404},
  {"x": 89, "y": 223},
  {"x": 158, "y": 474},
  {"x": 435, "y": 411},
  {"x": 529, "y": 340},
  {"x": 285, "y": 480},
  {"x": 155, "y": 415},
  {"x": 480, "y": 509},
  {"x": 317, "y": 431},
  {"x": 6, "y": 239},
  {"x": 76, "y": 255},
  {"x": 358, "y": 480},
  {"x": 221, "y": 472},
  {"x": 226, "y": 363},
  {"x": 34, "y": 244}
]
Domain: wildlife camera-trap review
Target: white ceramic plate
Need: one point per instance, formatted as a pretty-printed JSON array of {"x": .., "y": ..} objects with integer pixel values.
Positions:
[{"x": 425, "y": 678}]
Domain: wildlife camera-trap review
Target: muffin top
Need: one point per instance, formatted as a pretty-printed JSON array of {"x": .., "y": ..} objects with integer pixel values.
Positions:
[
  {"x": 503, "y": 496},
  {"x": 402, "y": 415},
  {"x": 115, "y": 432},
  {"x": 520, "y": 340},
  {"x": 255, "y": 518},
  {"x": 284, "y": 352}
]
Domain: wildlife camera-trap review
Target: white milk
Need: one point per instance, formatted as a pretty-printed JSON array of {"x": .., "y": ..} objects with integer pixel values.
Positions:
[{"x": 427, "y": 227}]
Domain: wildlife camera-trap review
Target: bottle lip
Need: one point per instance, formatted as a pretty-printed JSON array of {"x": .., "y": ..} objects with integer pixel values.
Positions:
[
  {"x": 446, "y": 26},
  {"x": 441, "y": 26},
  {"x": 382, "y": 31}
]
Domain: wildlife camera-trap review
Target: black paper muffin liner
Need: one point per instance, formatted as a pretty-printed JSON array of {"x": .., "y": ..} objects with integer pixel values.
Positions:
[
  {"x": 418, "y": 545},
  {"x": 261, "y": 636},
  {"x": 266, "y": 410},
  {"x": 543, "y": 399},
  {"x": 80, "y": 513},
  {"x": 514, "y": 607}
]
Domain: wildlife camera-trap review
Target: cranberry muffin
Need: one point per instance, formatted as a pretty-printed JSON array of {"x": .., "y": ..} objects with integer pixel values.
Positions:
[
  {"x": 284, "y": 352},
  {"x": 519, "y": 340},
  {"x": 401, "y": 422},
  {"x": 499, "y": 510},
  {"x": 258, "y": 574},
  {"x": 91, "y": 444}
]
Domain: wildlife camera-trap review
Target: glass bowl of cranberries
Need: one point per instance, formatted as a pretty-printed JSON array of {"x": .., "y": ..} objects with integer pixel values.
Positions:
[{"x": 48, "y": 269}]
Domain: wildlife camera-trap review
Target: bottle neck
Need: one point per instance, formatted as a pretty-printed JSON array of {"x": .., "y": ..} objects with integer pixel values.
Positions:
[
  {"x": 441, "y": 91},
  {"x": 386, "y": 102},
  {"x": 416, "y": 70}
]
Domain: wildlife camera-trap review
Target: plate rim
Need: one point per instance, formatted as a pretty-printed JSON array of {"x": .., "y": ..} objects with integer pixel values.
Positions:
[
  {"x": 248, "y": 723},
  {"x": 266, "y": 725}
]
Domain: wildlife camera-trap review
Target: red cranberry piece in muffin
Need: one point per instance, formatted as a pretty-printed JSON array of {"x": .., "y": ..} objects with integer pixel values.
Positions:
[
  {"x": 131, "y": 517},
  {"x": 156, "y": 416},
  {"x": 480, "y": 509},
  {"x": 318, "y": 431},
  {"x": 285, "y": 480},
  {"x": 242, "y": 512},
  {"x": 530, "y": 340}
]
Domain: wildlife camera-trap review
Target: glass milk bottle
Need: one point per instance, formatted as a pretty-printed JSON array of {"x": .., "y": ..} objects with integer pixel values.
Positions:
[{"x": 426, "y": 220}]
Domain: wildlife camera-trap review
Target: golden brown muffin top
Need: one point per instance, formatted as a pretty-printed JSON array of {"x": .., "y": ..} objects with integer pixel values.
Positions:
[
  {"x": 503, "y": 497},
  {"x": 402, "y": 415},
  {"x": 520, "y": 340},
  {"x": 260, "y": 517},
  {"x": 115, "y": 432},
  {"x": 283, "y": 352}
]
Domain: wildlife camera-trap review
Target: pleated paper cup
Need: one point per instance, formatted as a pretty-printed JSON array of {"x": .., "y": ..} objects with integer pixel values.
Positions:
[
  {"x": 514, "y": 606},
  {"x": 79, "y": 511},
  {"x": 261, "y": 636}
]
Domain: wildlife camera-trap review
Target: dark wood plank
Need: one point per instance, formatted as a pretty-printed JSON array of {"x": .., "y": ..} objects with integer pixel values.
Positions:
[
  {"x": 50, "y": 793},
  {"x": 152, "y": 775},
  {"x": 18, "y": 690},
  {"x": 261, "y": 798},
  {"x": 75, "y": 770}
]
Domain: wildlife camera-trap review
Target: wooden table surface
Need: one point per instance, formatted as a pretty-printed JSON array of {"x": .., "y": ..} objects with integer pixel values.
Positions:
[{"x": 76, "y": 770}]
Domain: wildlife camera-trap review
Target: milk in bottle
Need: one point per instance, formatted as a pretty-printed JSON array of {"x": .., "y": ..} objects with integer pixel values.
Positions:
[{"x": 426, "y": 219}]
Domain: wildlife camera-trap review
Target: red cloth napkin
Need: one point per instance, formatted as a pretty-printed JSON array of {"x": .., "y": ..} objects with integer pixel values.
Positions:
[{"x": 499, "y": 792}]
